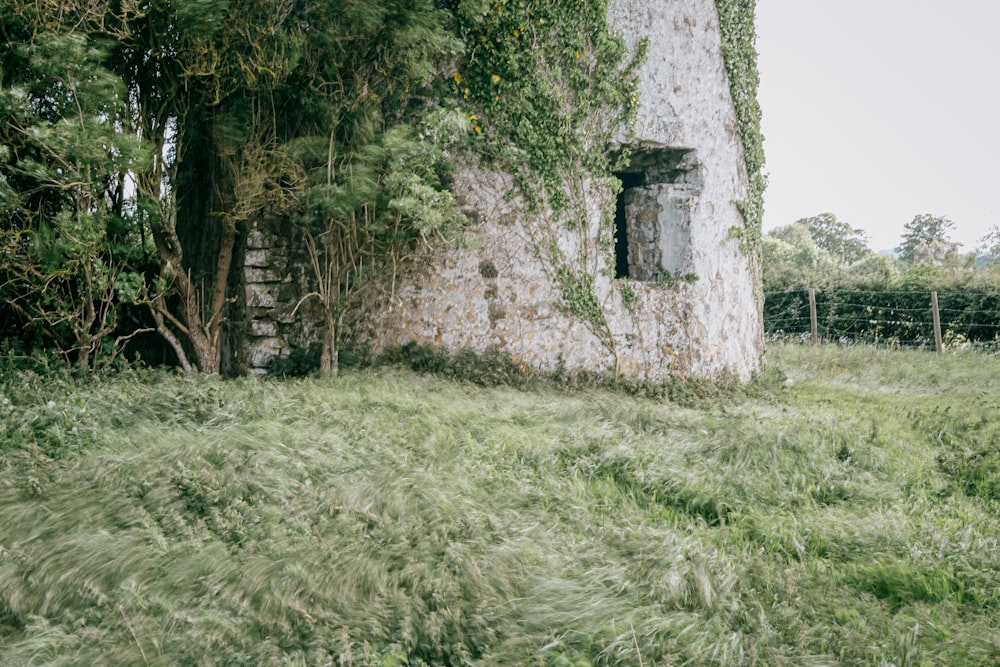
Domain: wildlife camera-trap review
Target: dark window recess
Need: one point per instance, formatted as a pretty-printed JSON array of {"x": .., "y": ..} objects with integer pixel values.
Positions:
[
  {"x": 629, "y": 180},
  {"x": 653, "y": 214}
]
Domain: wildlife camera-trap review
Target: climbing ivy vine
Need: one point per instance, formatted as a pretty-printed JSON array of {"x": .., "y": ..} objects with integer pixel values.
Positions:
[
  {"x": 739, "y": 35},
  {"x": 549, "y": 87}
]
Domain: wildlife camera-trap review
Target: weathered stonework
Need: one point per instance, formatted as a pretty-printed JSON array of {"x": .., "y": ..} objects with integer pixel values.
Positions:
[
  {"x": 267, "y": 319},
  {"x": 685, "y": 300}
]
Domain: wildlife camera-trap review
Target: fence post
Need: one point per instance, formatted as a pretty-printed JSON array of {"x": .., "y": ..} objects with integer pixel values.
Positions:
[
  {"x": 812, "y": 315},
  {"x": 938, "y": 343}
]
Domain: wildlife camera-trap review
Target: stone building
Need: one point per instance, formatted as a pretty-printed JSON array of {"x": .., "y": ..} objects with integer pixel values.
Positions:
[{"x": 676, "y": 296}]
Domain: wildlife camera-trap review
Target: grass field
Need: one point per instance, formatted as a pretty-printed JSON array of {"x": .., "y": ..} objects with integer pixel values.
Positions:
[{"x": 847, "y": 516}]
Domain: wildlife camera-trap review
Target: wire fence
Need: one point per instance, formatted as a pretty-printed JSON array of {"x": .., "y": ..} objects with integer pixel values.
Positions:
[{"x": 912, "y": 319}]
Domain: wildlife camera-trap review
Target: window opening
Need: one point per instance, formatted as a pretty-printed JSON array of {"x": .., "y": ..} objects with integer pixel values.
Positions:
[
  {"x": 653, "y": 214},
  {"x": 629, "y": 181}
]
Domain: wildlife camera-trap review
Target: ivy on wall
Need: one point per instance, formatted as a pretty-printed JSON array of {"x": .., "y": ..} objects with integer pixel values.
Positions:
[
  {"x": 739, "y": 35},
  {"x": 549, "y": 86}
]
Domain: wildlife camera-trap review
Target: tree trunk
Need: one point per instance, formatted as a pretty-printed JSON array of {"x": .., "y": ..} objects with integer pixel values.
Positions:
[
  {"x": 203, "y": 327},
  {"x": 329, "y": 360},
  {"x": 158, "y": 310}
]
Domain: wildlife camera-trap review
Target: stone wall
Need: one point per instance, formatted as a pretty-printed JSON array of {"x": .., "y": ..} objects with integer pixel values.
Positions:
[
  {"x": 689, "y": 304},
  {"x": 267, "y": 320},
  {"x": 692, "y": 306},
  {"x": 686, "y": 103}
]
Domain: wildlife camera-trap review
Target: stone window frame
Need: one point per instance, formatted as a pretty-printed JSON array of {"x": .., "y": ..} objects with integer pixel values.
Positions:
[{"x": 653, "y": 220}]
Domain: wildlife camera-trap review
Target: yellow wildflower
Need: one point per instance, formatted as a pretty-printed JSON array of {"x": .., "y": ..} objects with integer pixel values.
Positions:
[
  {"x": 458, "y": 77},
  {"x": 495, "y": 79}
]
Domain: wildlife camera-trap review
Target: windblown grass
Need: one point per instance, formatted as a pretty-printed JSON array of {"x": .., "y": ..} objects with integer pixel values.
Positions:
[{"x": 389, "y": 518}]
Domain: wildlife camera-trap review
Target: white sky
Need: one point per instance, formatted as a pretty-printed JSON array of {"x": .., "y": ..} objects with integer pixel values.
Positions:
[{"x": 879, "y": 110}]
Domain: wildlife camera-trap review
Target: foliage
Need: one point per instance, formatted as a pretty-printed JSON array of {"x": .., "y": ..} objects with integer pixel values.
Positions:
[
  {"x": 825, "y": 253},
  {"x": 387, "y": 198},
  {"x": 873, "y": 269},
  {"x": 848, "y": 518},
  {"x": 71, "y": 253},
  {"x": 791, "y": 258},
  {"x": 375, "y": 153},
  {"x": 628, "y": 295},
  {"x": 817, "y": 252},
  {"x": 739, "y": 36},
  {"x": 549, "y": 87},
  {"x": 300, "y": 362},
  {"x": 494, "y": 368},
  {"x": 925, "y": 240},
  {"x": 989, "y": 247},
  {"x": 255, "y": 109},
  {"x": 201, "y": 79},
  {"x": 900, "y": 316},
  {"x": 845, "y": 243},
  {"x": 581, "y": 300}
]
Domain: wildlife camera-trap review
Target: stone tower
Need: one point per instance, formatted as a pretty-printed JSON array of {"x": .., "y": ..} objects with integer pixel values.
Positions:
[{"x": 677, "y": 296}]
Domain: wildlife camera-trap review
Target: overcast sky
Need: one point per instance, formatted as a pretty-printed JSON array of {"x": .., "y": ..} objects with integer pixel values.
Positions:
[{"x": 879, "y": 110}]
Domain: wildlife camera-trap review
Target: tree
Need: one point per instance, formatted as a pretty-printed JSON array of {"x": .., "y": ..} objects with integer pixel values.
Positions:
[
  {"x": 781, "y": 266},
  {"x": 874, "y": 270},
  {"x": 989, "y": 247},
  {"x": 67, "y": 237},
  {"x": 263, "y": 108},
  {"x": 391, "y": 197},
  {"x": 205, "y": 80},
  {"x": 845, "y": 243},
  {"x": 371, "y": 136},
  {"x": 791, "y": 258},
  {"x": 925, "y": 240},
  {"x": 184, "y": 77}
]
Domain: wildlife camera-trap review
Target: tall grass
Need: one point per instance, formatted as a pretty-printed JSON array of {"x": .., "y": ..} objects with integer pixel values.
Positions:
[{"x": 389, "y": 518}]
